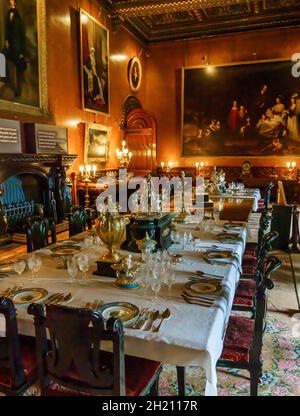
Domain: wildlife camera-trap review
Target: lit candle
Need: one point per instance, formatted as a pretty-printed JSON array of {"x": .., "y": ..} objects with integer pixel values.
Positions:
[
  {"x": 123, "y": 143},
  {"x": 130, "y": 155},
  {"x": 202, "y": 164},
  {"x": 197, "y": 165},
  {"x": 81, "y": 169},
  {"x": 88, "y": 168},
  {"x": 94, "y": 168},
  {"x": 288, "y": 165},
  {"x": 293, "y": 165}
]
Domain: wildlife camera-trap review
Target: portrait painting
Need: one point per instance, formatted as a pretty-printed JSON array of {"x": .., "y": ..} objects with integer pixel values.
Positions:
[
  {"x": 97, "y": 141},
  {"x": 135, "y": 74},
  {"x": 248, "y": 109},
  {"x": 94, "y": 64},
  {"x": 23, "y": 46}
]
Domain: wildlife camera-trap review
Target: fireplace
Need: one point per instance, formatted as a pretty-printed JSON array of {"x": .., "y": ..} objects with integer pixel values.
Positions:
[{"x": 33, "y": 184}]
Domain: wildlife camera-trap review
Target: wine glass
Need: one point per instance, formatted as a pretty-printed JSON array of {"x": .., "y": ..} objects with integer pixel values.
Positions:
[
  {"x": 72, "y": 268},
  {"x": 34, "y": 265},
  {"x": 156, "y": 283},
  {"x": 19, "y": 267},
  {"x": 171, "y": 278},
  {"x": 83, "y": 264}
]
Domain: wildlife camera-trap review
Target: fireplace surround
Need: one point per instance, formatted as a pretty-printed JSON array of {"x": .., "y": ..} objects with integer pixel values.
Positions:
[{"x": 31, "y": 184}]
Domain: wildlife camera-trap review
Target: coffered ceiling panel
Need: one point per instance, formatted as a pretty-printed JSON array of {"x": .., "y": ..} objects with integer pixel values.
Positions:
[{"x": 160, "y": 20}]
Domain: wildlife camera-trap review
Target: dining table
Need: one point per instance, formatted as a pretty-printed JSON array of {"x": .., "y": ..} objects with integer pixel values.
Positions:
[
  {"x": 252, "y": 194},
  {"x": 194, "y": 333}
]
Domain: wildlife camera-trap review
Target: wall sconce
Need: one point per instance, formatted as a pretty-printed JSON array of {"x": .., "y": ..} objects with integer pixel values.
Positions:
[
  {"x": 88, "y": 173},
  {"x": 199, "y": 167},
  {"x": 292, "y": 169},
  {"x": 167, "y": 167},
  {"x": 124, "y": 156}
]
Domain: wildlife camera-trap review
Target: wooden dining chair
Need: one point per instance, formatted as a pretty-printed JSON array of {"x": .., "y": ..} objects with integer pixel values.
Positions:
[
  {"x": 244, "y": 336},
  {"x": 79, "y": 220},
  {"x": 244, "y": 299},
  {"x": 265, "y": 202},
  {"x": 18, "y": 365},
  {"x": 38, "y": 231},
  {"x": 243, "y": 339},
  {"x": 72, "y": 364},
  {"x": 252, "y": 249}
]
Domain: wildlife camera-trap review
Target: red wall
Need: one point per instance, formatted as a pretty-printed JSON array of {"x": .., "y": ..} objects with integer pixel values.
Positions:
[
  {"x": 64, "y": 75},
  {"x": 164, "y": 82}
]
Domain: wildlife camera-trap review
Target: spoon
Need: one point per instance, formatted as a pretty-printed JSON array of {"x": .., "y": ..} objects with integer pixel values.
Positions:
[
  {"x": 165, "y": 315},
  {"x": 152, "y": 318}
]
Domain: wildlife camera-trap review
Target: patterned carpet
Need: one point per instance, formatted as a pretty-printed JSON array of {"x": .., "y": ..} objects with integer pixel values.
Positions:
[{"x": 281, "y": 351}]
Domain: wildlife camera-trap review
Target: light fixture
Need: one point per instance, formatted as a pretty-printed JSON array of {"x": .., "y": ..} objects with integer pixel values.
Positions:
[
  {"x": 291, "y": 168},
  {"x": 119, "y": 57},
  {"x": 199, "y": 167},
  {"x": 88, "y": 173},
  {"x": 167, "y": 167},
  {"x": 124, "y": 156}
]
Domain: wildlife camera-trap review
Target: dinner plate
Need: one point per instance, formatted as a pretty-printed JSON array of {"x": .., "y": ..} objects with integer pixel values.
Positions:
[
  {"x": 126, "y": 312},
  {"x": 27, "y": 296},
  {"x": 218, "y": 255},
  {"x": 205, "y": 287},
  {"x": 65, "y": 250}
]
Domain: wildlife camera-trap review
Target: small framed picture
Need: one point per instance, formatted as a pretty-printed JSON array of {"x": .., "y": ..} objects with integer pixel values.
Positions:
[
  {"x": 97, "y": 141},
  {"x": 135, "y": 73}
]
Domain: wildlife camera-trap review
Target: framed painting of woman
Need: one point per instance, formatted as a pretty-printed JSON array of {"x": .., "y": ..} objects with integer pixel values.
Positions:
[
  {"x": 94, "y": 53},
  {"x": 23, "y": 46}
]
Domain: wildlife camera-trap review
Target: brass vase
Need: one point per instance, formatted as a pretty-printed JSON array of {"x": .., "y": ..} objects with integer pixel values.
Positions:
[{"x": 111, "y": 228}]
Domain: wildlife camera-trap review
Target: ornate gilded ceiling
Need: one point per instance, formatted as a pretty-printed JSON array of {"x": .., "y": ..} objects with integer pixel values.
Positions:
[{"x": 159, "y": 20}]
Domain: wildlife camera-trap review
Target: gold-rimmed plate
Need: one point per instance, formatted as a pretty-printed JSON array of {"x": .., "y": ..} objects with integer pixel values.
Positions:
[
  {"x": 26, "y": 296},
  {"x": 126, "y": 312},
  {"x": 218, "y": 255},
  {"x": 205, "y": 287},
  {"x": 65, "y": 250}
]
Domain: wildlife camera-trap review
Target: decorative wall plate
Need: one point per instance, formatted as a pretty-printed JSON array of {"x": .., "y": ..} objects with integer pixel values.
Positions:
[{"x": 135, "y": 74}]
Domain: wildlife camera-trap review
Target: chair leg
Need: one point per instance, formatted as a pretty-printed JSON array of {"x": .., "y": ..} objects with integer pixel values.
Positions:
[
  {"x": 181, "y": 380},
  {"x": 254, "y": 379}
]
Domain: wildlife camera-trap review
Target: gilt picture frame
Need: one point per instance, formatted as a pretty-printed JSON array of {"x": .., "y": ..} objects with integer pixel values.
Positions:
[
  {"x": 94, "y": 64},
  {"x": 246, "y": 109},
  {"x": 97, "y": 143},
  {"x": 24, "y": 89}
]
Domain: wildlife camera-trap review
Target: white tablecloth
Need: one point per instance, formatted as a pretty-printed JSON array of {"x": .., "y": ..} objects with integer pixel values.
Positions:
[
  {"x": 193, "y": 336},
  {"x": 247, "y": 193}
]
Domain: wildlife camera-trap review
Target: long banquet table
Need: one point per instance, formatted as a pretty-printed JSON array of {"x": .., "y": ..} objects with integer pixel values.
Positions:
[{"x": 193, "y": 336}]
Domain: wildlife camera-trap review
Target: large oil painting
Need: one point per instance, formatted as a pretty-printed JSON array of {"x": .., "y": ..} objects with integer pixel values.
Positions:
[
  {"x": 23, "y": 44},
  {"x": 94, "y": 64},
  {"x": 250, "y": 109}
]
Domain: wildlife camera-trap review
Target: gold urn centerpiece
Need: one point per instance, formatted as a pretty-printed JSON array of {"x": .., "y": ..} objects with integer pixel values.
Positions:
[
  {"x": 111, "y": 228},
  {"x": 126, "y": 272}
]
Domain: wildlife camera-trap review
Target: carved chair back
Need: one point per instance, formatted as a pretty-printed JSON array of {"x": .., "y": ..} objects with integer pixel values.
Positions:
[
  {"x": 10, "y": 351},
  {"x": 270, "y": 265},
  {"x": 268, "y": 192},
  {"x": 38, "y": 233},
  {"x": 79, "y": 220},
  {"x": 74, "y": 359}
]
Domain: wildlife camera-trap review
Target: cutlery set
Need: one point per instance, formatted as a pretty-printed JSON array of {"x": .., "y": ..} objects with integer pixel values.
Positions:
[
  {"x": 58, "y": 298},
  {"x": 146, "y": 319},
  {"x": 94, "y": 305}
]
